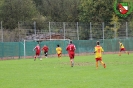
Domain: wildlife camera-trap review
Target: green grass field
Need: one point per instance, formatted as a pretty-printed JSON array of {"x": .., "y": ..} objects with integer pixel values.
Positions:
[{"x": 57, "y": 73}]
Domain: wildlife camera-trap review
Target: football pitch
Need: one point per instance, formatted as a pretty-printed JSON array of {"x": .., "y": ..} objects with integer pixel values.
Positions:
[{"x": 57, "y": 73}]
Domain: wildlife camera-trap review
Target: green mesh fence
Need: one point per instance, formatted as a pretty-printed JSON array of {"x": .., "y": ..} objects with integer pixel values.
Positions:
[
  {"x": 1, "y": 49},
  {"x": 29, "y": 46},
  {"x": 10, "y": 49},
  {"x": 16, "y": 49}
]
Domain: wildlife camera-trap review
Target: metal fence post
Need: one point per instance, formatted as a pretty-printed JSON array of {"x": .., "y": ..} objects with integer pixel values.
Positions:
[
  {"x": 19, "y": 49},
  {"x": 49, "y": 31},
  {"x": 64, "y": 29},
  {"x": 77, "y": 30},
  {"x": 90, "y": 31},
  {"x": 19, "y": 31},
  {"x": 126, "y": 30},
  {"x": 35, "y": 29},
  {"x": 115, "y": 30},
  {"x": 1, "y": 32},
  {"x": 19, "y": 39},
  {"x": 24, "y": 50},
  {"x": 3, "y": 50},
  {"x": 103, "y": 29}
]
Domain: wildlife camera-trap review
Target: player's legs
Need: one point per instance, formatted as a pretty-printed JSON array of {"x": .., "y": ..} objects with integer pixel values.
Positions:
[
  {"x": 72, "y": 62},
  {"x": 46, "y": 54},
  {"x": 96, "y": 62},
  {"x": 126, "y": 51},
  {"x": 120, "y": 51},
  {"x": 100, "y": 59},
  {"x": 103, "y": 64},
  {"x": 71, "y": 59},
  {"x": 71, "y": 55},
  {"x": 59, "y": 55},
  {"x": 35, "y": 57},
  {"x": 123, "y": 49},
  {"x": 37, "y": 53}
]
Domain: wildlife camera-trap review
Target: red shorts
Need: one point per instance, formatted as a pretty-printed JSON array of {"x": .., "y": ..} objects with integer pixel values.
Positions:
[
  {"x": 37, "y": 53},
  {"x": 122, "y": 49},
  {"x": 99, "y": 59},
  {"x": 59, "y": 54},
  {"x": 71, "y": 55}
]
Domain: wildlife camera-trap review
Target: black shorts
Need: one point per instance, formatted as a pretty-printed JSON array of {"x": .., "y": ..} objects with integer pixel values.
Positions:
[{"x": 46, "y": 53}]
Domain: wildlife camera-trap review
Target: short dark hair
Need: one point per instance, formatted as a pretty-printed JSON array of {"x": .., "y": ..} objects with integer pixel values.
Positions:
[
  {"x": 71, "y": 42},
  {"x": 98, "y": 42},
  {"x": 58, "y": 45}
]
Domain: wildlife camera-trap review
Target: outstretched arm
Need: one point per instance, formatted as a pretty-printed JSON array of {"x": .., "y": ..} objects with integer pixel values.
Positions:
[{"x": 34, "y": 48}]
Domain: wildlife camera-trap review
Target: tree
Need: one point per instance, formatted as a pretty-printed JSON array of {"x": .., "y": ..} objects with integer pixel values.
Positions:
[
  {"x": 13, "y": 11},
  {"x": 1, "y": 4},
  {"x": 59, "y": 10},
  {"x": 95, "y": 10}
]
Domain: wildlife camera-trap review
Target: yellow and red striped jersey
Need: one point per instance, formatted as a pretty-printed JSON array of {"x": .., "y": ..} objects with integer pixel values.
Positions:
[
  {"x": 59, "y": 50},
  {"x": 98, "y": 51},
  {"x": 121, "y": 45}
]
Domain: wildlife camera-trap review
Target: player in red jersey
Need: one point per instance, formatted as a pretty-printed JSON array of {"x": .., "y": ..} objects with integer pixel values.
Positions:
[
  {"x": 45, "y": 50},
  {"x": 37, "y": 48},
  {"x": 71, "y": 51}
]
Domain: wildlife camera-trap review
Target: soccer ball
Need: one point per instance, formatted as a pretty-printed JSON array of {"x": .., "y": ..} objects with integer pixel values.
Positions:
[{"x": 40, "y": 58}]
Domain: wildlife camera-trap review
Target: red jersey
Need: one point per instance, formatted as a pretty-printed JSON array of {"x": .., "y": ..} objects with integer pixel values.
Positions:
[
  {"x": 71, "y": 48},
  {"x": 37, "y": 48},
  {"x": 45, "y": 48}
]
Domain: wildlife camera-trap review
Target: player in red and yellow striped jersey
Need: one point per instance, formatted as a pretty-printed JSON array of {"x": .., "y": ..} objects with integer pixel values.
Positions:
[
  {"x": 122, "y": 48},
  {"x": 59, "y": 51},
  {"x": 98, "y": 54}
]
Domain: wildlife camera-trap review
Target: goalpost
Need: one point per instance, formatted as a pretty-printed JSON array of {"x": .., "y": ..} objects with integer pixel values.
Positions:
[{"x": 39, "y": 41}]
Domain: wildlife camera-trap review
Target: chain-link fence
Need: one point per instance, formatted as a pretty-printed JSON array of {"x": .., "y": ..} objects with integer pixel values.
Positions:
[
  {"x": 83, "y": 47},
  {"x": 66, "y": 30}
]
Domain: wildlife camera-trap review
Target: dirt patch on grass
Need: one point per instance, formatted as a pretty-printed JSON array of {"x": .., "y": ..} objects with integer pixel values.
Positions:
[{"x": 54, "y": 55}]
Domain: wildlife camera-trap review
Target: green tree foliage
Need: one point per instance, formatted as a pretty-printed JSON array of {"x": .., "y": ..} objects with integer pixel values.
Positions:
[
  {"x": 1, "y": 4},
  {"x": 59, "y": 10},
  {"x": 86, "y": 11},
  {"x": 13, "y": 11},
  {"x": 121, "y": 24},
  {"x": 95, "y": 10},
  {"x": 41, "y": 22},
  {"x": 98, "y": 11}
]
